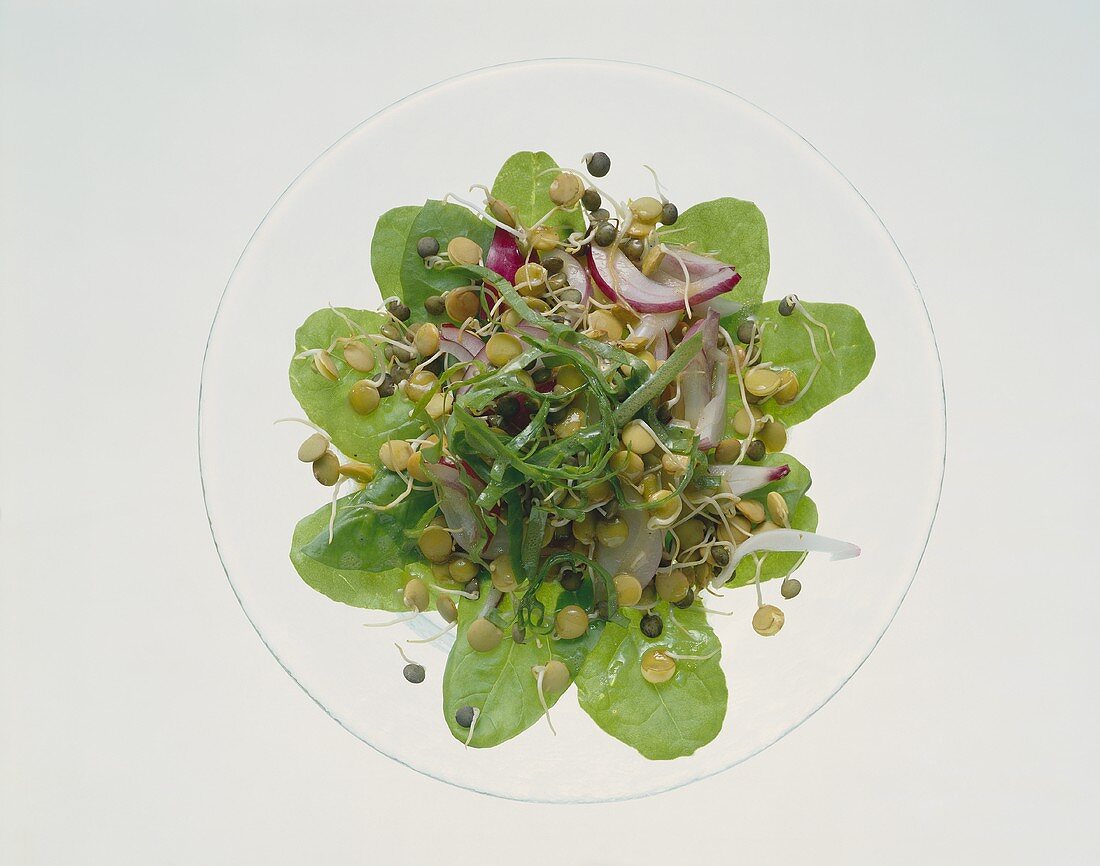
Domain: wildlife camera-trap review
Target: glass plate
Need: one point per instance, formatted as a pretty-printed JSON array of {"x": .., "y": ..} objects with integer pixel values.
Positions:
[{"x": 877, "y": 455}]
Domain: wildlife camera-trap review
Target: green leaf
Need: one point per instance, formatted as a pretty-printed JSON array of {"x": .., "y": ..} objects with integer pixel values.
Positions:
[
  {"x": 442, "y": 221},
  {"x": 499, "y": 683},
  {"x": 369, "y": 589},
  {"x": 778, "y": 565},
  {"x": 791, "y": 486},
  {"x": 664, "y": 721},
  {"x": 736, "y": 232},
  {"x": 326, "y": 403},
  {"x": 387, "y": 247},
  {"x": 524, "y": 183},
  {"x": 368, "y": 540},
  {"x": 786, "y": 343}
]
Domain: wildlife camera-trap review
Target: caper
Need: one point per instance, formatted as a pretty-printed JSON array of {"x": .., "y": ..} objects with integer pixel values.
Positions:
[
  {"x": 463, "y": 251},
  {"x": 326, "y": 469},
  {"x": 787, "y": 305},
  {"x": 571, "y": 622},
  {"x": 483, "y": 636},
  {"x": 721, "y": 556},
  {"x": 571, "y": 579},
  {"x": 773, "y": 436},
  {"x": 387, "y": 387},
  {"x": 507, "y": 406},
  {"x": 687, "y": 601},
  {"x": 464, "y": 716},
  {"x": 652, "y": 626},
  {"x": 313, "y": 448},
  {"x": 363, "y": 397},
  {"x": 398, "y": 310},
  {"x": 767, "y": 620},
  {"x": 612, "y": 532},
  {"x": 672, "y": 585},
  {"x": 436, "y": 543},
  {"x": 628, "y": 589},
  {"x": 600, "y": 215},
  {"x": 605, "y": 235},
  {"x": 632, "y": 248},
  {"x": 756, "y": 450},
  {"x": 413, "y": 672},
  {"x": 553, "y": 265},
  {"x": 746, "y": 331},
  {"x": 433, "y": 305},
  {"x": 657, "y": 666},
  {"x": 427, "y": 246},
  {"x": 790, "y": 587},
  {"x": 415, "y": 595},
  {"x": 591, "y": 199},
  {"x": 598, "y": 164},
  {"x": 669, "y": 213}
]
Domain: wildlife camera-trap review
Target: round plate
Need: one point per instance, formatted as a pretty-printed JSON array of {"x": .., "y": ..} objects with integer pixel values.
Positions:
[{"x": 876, "y": 455}]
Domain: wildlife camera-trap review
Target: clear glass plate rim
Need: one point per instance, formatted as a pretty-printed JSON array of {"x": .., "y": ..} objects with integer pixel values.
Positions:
[{"x": 565, "y": 60}]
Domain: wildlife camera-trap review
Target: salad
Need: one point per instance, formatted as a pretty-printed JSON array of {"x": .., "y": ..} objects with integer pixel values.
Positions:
[{"x": 563, "y": 438}]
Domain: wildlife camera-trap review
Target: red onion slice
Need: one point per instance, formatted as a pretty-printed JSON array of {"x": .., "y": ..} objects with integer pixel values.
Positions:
[
  {"x": 698, "y": 265},
  {"x": 640, "y": 554},
  {"x": 472, "y": 343},
  {"x": 504, "y": 256},
  {"x": 743, "y": 479},
  {"x": 454, "y": 502},
  {"x": 618, "y": 278}
]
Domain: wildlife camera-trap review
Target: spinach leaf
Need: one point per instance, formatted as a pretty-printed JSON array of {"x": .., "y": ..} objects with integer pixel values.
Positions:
[
  {"x": 442, "y": 221},
  {"x": 367, "y": 540},
  {"x": 786, "y": 343},
  {"x": 736, "y": 231},
  {"x": 522, "y": 185},
  {"x": 499, "y": 683},
  {"x": 387, "y": 247},
  {"x": 777, "y": 565},
  {"x": 377, "y": 590},
  {"x": 326, "y": 403},
  {"x": 663, "y": 721}
]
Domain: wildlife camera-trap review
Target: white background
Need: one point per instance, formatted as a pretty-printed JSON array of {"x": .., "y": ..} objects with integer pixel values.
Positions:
[{"x": 141, "y": 719}]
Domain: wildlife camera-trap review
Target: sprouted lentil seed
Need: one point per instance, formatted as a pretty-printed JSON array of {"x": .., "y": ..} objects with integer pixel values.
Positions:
[{"x": 593, "y": 431}]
